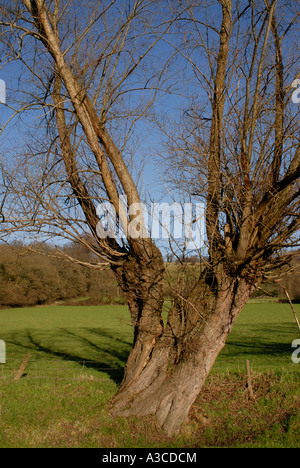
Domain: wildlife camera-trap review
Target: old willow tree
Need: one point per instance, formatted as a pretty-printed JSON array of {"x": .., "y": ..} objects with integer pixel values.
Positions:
[{"x": 237, "y": 148}]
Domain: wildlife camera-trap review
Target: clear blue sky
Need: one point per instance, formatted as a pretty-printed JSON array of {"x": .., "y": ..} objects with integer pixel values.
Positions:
[{"x": 153, "y": 181}]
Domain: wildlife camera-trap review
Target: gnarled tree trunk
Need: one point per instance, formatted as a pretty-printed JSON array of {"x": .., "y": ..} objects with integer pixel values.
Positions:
[{"x": 168, "y": 365}]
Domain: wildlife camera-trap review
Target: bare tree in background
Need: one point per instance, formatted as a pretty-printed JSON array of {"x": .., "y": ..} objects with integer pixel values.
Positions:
[{"x": 240, "y": 153}]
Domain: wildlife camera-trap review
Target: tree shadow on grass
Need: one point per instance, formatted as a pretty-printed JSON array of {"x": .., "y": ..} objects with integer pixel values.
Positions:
[
  {"x": 92, "y": 348},
  {"x": 264, "y": 341},
  {"x": 259, "y": 348}
]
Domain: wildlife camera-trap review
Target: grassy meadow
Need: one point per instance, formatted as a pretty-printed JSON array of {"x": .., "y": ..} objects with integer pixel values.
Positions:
[{"x": 76, "y": 364}]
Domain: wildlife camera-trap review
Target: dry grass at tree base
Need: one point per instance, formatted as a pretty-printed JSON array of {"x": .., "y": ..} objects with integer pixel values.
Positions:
[{"x": 224, "y": 416}]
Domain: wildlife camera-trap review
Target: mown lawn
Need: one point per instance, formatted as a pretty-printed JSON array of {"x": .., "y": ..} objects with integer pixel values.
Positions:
[{"x": 77, "y": 358}]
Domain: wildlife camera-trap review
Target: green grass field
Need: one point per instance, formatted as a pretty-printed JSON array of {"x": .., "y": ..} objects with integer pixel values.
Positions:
[{"x": 77, "y": 359}]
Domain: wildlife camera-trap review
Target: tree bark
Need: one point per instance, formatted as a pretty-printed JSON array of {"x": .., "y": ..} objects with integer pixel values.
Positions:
[
  {"x": 141, "y": 279},
  {"x": 165, "y": 374}
]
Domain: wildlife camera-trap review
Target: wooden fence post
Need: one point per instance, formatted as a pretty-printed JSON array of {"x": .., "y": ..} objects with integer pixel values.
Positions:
[
  {"x": 248, "y": 382},
  {"x": 22, "y": 368}
]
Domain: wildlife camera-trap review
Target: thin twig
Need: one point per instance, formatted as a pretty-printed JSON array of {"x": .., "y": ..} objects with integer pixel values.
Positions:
[{"x": 291, "y": 304}]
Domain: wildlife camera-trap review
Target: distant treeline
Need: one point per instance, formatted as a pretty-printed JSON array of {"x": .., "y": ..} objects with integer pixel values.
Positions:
[
  {"x": 28, "y": 278},
  {"x": 272, "y": 289}
]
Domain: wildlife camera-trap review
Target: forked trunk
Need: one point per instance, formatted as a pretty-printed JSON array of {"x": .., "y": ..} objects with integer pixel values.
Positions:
[{"x": 166, "y": 371}]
